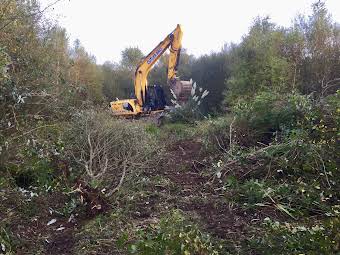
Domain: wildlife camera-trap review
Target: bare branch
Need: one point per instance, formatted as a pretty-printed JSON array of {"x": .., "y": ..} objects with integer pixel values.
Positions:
[
  {"x": 120, "y": 181},
  {"x": 329, "y": 85},
  {"x": 30, "y": 131},
  {"x": 231, "y": 146}
]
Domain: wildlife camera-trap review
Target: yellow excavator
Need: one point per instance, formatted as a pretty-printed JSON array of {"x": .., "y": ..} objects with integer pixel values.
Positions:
[{"x": 151, "y": 99}]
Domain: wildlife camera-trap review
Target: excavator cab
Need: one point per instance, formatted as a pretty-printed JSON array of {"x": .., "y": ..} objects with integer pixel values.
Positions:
[
  {"x": 155, "y": 98},
  {"x": 126, "y": 108}
]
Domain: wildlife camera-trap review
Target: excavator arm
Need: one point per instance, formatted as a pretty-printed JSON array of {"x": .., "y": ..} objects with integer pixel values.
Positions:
[
  {"x": 174, "y": 41},
  {"x": 132, "y": 107}
]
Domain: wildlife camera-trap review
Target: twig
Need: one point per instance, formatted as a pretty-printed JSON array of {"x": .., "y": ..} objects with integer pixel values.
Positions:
[
  {"x": 90, "y": 162},
  {"x": 331, "y": 85},
  {"x": 120, "y": 181},
  {"x": 269, "y": 168},
  {"x": 30, "y": 131},
  {"x": 199, "y": 162},
  {"x": 219, "y": 145},
  {"x": 231, "y": 135},
  {"x": 15, "y": 118},
  {"x": 323, "y": 168}
]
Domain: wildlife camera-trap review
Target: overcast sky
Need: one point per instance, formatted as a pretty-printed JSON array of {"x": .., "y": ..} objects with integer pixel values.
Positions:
[{"x": 106, "y": 27}]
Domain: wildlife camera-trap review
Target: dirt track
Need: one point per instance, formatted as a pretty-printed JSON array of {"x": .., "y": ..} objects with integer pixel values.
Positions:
[{"x": 190, "y": 190}]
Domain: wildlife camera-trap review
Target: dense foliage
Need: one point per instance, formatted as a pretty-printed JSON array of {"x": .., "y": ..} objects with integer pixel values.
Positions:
[{"x": 249, "y": 166}]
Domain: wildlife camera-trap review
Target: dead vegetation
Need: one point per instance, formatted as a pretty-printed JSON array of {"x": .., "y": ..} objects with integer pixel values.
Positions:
[{"x": 108, "y": 150}]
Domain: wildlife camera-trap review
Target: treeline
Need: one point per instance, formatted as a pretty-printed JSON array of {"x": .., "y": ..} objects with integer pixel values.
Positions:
[
  {"x": 41, "y": 69},
  {"x": 38, "y": 62},
  {"x": 304, "y": 58}
]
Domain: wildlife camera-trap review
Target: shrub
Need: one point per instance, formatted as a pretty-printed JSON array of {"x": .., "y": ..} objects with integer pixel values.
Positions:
[
  {"x": 267, "y": 114},
  {"x": 310, "y": 148},
  {"x": 215, "y": 133},
  {"x": 298, "y": 238},
  {"x": 105, "y": 148},
  {"x": 31, "y": 159},
  {"x": 293, "y": 198},
  {"x": 190, "y": 111}
]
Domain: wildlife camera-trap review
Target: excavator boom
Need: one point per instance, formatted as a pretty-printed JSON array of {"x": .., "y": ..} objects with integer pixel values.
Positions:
[{"x": 173, "y": 40}]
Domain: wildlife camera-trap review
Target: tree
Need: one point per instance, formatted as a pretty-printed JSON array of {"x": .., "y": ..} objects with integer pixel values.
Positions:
[
  {"x": 86, "y": 75},
  {"x": 210, "y": 72},
  {"x": 260, "y": 63},
  {"x": 321, "y": 58},
  {"x": 110, "y": 88},
  {"x": 119, "y": 78},
  {"x": 131, "y": 56}
]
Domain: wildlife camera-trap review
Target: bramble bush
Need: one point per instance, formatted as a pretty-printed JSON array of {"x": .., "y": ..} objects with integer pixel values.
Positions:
[
  {"x": 301, "y": 133},
  {"x": 267, "y": 114}
]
